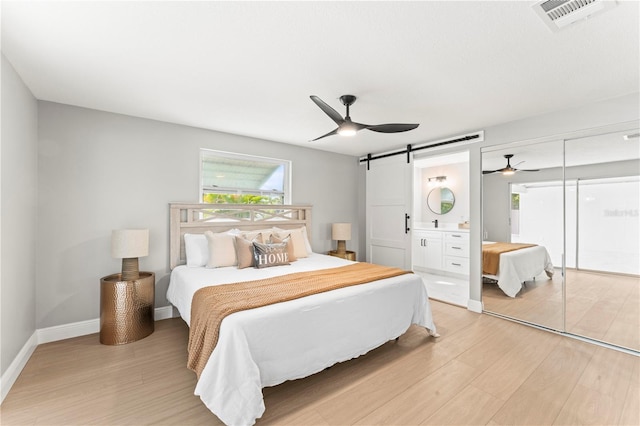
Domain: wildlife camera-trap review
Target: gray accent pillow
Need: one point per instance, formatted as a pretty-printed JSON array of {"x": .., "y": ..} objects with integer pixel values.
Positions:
[{"x": 266, "y": 255}]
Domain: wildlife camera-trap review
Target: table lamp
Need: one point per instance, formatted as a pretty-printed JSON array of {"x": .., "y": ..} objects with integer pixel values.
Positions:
[
  {"x": 341, "y": 232},
  {"x": 129, "y": 245}
]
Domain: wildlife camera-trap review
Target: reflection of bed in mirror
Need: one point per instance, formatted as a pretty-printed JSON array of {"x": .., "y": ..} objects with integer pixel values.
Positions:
[{"x": 516, "y": 264}]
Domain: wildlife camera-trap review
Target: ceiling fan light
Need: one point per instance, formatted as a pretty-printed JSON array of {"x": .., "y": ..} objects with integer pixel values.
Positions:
[
  {"x": 508, "y": 172},
  {"x": 347, "y": 130}
]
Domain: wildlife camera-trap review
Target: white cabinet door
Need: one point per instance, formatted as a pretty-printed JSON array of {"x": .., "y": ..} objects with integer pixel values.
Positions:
[
  {"x": 427, "y": 250},
  {"x": 389, "y": 184},
  {"x": 418, "y": 250},
  {"x": 433, "y": 253}
]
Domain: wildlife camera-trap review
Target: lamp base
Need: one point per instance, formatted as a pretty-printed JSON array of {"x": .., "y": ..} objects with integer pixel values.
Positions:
[
  {"x": 342, "y": 247},
  {"x": 130, "y": 271}
]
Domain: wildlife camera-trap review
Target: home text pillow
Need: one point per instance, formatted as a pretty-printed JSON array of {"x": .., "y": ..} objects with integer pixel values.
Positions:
[
  {"x": 196, "y": 249},
  {"x": 297, "y": 239},
  {"x": 222, "y": 251},
  {"x": 286, "y": 240},
  {"x": 266, "y": 255},
  {"x": 244, "y": 250}
]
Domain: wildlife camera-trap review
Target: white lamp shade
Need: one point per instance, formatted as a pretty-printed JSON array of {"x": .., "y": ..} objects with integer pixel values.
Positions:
[
  {"x": 128, "y": 243},
  {"x": 341, "y": 231}
]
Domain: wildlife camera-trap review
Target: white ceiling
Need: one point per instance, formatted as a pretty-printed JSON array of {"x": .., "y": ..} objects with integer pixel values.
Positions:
[{"x": 249, "y": 67}]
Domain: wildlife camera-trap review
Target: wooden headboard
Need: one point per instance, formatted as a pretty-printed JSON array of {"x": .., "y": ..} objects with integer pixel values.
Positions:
[{"x": 198, "y": 218}]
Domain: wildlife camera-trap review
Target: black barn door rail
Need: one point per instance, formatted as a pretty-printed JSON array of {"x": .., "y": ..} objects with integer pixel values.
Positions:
[{"x": 474, "y": 137}]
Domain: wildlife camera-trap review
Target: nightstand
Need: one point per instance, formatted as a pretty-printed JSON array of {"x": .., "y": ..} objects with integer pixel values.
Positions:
[
  {"x": 126, "y": 308},
  {"x": 349, "y": 255}
]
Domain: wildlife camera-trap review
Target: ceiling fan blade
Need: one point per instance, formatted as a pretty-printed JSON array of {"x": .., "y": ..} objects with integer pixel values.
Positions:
[
  {"x": 332, "y": 113},
  {"x": 358, "y": 126},
  {"x": 392, "y": 128},
  {"x": 333, "y": 132},
  {"x": 528, "y": 170},
  {"x": 487, "y": 172}
]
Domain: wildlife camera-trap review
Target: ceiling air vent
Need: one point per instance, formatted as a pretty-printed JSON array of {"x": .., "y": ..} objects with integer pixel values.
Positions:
[{"x": 558, "y": 14}]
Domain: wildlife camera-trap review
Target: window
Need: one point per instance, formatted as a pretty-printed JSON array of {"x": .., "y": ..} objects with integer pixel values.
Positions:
[{"x": 227, "y": 178}]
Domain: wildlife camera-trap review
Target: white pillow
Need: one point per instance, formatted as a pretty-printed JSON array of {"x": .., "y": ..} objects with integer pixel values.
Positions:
[
  {"x": 306, "y": 240},
  {"x": 196, "y": 249},
  {"x": 222, "y": 250}
]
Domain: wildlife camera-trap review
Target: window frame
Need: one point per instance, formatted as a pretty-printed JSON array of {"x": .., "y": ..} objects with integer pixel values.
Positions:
[{"x": 208, "y": 153}]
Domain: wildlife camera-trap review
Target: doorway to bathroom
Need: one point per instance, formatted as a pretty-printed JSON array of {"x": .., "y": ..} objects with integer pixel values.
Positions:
[{"x": 440, "y": 234}]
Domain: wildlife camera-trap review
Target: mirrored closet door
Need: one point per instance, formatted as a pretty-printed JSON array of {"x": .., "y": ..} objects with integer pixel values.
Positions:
[
  {"x": 603, "y": 233},
  {"x": 568, "y": 210},
  {"x": 523, "y": 228}
]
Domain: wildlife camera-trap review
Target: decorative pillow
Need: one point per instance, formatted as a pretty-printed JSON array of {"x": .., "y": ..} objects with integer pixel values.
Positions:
[
  {"x": 222, "y": 251},
  {"x": 266, "y": 255},
  {"x": 244, "y": 250},
  {"x": 274, "y": 239},
  {"x": 305, "y": 237},
  {"x": 196, "y": 249},
  {"x": 250, "y": 235},
  {"x": 299, "y": 246}
]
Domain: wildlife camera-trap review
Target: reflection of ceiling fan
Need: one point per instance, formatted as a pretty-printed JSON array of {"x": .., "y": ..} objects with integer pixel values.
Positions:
[
  {"x": 346, "y": 127},
  {"x": 509, "y": 169}
]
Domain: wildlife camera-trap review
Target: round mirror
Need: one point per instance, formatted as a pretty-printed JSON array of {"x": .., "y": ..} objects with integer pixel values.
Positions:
[{"x": 440, "y": 200}]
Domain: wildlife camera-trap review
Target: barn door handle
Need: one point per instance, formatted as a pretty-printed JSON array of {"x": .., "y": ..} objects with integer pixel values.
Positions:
[{"x": 406, "y": 223}]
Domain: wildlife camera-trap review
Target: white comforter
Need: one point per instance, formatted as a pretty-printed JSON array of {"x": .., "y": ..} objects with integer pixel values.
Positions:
[
  {"x": 269, "y": 345},
  {"x": 518, "y": 266}
]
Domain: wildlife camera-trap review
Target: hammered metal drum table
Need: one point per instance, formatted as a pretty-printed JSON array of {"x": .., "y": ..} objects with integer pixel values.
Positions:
[{"x": 126, "y": 308}]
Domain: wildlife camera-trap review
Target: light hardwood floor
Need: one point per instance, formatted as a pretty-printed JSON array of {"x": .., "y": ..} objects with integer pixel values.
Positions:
[
  {"x": 600, "y": 306},
  {"x": 482, "y": 370}
]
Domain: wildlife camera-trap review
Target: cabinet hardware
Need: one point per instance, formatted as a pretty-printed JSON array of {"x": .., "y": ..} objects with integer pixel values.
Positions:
[
  {"x": 455, "y": 264},
  {"x": 406, "y": 223}
]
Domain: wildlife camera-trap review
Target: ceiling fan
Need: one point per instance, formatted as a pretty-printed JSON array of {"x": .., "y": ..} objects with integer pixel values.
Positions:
[
  {"x": 509, "y": 169},
  {"x": 346, "y": 127}
]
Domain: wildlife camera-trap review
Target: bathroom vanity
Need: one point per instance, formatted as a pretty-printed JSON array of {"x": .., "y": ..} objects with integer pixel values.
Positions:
[{"x": 442, "y": 249}]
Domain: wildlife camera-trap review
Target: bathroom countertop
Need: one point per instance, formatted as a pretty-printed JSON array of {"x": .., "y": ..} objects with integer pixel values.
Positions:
[{"x": 428, "y": 226}]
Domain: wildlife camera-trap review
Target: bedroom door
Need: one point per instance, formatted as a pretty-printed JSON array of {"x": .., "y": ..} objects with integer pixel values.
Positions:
[{"x": 389, "y": 188}]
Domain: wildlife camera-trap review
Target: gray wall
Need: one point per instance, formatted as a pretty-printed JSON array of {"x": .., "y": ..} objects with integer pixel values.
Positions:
[
  {"x": 100, "y": 171},
  {"x": 18, "y": 226}
]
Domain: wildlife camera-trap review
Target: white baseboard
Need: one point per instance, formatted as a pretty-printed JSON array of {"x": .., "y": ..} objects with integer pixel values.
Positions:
[
  {"x": 164, "y": 312},
  {"x": 474, "y": 306},
  {"x": 67, "y": 331},
  {"x": 82, "y": 328},
  {"x": 11, "y": 374},
  {"x": 55, "y": 333}
]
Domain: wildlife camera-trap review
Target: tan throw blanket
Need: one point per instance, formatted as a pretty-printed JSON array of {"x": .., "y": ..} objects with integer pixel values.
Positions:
[
  {"x": 212, "y": 304},
  {"x": 491, "y": 255}
]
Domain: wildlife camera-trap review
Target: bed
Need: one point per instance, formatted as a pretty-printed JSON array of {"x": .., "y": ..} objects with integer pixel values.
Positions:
[
  {"x": 271, "y": 344},
  {"x": 517, "y": 266}
]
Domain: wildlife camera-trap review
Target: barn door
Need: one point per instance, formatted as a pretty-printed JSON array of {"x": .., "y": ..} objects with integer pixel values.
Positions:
[{"x": 389, "y": 184}]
